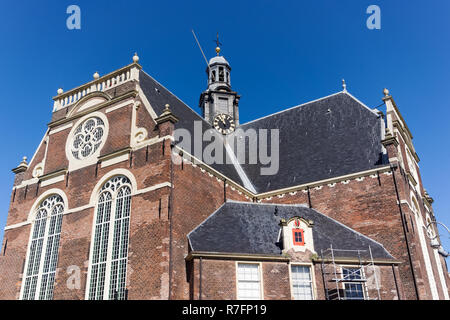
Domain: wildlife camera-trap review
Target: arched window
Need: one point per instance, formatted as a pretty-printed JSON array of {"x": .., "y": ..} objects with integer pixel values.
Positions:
[
  {"x": 109, "y": 254},
  {"x": 42, "y": 258}
]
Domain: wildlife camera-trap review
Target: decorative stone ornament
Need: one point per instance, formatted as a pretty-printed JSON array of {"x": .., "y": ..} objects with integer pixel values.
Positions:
[
  {"x": 167, "y": 115},
  {"x": 135, "y": 58},
  {"x": 60, "y": 91},
  {"x": 96, "y": 75},
  {"x": 23, "y": 166}
]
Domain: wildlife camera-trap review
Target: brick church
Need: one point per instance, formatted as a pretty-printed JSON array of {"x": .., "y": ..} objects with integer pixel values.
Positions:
[{"x": 113, "y": 206}]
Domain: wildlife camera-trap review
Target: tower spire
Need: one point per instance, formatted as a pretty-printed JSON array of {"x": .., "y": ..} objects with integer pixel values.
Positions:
[{"x": 218, "y": 44}]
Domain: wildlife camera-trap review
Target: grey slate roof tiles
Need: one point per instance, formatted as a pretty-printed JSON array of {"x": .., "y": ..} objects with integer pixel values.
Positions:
[
  {"x": 330, "y": 137},
  {"x": 251, "y": 228}
]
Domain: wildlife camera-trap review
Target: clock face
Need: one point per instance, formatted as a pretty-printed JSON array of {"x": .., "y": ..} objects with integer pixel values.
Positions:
[{"x": 224, "y": 123}]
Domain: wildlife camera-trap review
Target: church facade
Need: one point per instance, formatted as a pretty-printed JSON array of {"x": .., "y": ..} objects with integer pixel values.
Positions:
[{"x": 119, "y": 202}]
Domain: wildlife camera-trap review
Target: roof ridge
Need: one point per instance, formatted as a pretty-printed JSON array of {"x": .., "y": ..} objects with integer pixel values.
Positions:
[
  {"x": 291, "y": 108},
  {"x": 184, "y": 103}
]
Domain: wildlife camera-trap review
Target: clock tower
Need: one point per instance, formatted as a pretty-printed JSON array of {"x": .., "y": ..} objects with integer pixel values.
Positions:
[{"x": 218, "y": 102}]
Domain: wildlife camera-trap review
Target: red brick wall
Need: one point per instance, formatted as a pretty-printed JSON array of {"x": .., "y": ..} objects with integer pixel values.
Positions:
[{"x": 195, "y": 195}]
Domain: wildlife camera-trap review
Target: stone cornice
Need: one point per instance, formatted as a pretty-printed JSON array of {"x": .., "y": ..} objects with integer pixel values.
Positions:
[
  {"x": 53, "y": 174},
  {"x": 357, "y": 261},
  {"x": 114, "y": 154},
  {"x": 356, "y": 175},
  {"x": 235, "y": 256}
]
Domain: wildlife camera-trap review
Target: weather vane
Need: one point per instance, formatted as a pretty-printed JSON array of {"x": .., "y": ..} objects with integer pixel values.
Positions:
[{"x": 218, "y": 44}]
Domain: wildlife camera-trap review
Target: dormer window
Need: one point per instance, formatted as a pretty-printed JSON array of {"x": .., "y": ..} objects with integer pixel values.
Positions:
[
  {"x": 297, "y": 234},
  {"x": 297, "y": 237}
]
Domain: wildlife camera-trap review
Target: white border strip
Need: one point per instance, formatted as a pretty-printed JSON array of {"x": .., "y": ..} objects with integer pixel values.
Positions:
[{"x": 88, "y": 206}]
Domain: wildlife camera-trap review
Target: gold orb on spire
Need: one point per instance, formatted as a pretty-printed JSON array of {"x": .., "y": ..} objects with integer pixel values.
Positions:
[{"x": 218, "y": 44}]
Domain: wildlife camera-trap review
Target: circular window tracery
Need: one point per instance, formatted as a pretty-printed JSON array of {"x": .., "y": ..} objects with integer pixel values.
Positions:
[{"x": 87, "y": 138}]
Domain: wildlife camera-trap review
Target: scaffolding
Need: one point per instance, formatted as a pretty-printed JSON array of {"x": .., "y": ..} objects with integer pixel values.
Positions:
[{"x": 334, "y": 273}]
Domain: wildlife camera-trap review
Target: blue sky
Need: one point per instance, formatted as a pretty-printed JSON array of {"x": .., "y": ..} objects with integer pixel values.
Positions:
[{"x": 283, "y": 53}]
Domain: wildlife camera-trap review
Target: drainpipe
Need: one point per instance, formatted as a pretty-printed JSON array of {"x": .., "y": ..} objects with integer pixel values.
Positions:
[
  {"x": 170, "y": 227},
  {"x": 200, "y": 280},
  {"x": 395, "y": 281}
]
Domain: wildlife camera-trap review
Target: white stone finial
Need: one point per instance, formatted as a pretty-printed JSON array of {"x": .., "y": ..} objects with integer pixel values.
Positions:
[
  {"x": 24, "y": 161},
  {"x": 385, "y": 92},
  {"x": 344, "y": 86},
  {"x": 96, "y": 75},
  {"x": 135, "y": 58},
  {"x": 60, "y": 91}
]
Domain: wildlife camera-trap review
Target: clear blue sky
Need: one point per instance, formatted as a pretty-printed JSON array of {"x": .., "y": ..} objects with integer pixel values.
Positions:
[{"x": 283, "y": 53}]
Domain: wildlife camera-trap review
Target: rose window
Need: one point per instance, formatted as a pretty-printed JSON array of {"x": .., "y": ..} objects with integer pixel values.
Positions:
[{"x": 87, "y": 138}]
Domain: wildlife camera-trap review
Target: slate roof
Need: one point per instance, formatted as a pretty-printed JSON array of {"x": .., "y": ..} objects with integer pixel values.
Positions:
[
  {"x": 326, "y": 138},
  {"x": 251, "y": 228}
]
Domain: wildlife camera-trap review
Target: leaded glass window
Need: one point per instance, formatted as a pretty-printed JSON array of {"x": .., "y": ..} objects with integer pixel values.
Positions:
[
  {"x": 109, "y": 256},
  {"x": 87, "y": 138},
  {"x": 39, "y": 275}
]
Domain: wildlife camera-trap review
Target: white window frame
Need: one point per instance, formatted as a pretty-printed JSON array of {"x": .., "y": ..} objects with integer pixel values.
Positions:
[
  {"x": 363, "y": 284},
  {"x": 112, "y": 220},
  {"x": 261, "y": 286},
  {"x": 311, "y": 273},
  {"x": 43, "y": 253}
]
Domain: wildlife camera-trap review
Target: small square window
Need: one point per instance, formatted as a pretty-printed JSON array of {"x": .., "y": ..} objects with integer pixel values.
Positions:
[{"x": 298, "y": 238}]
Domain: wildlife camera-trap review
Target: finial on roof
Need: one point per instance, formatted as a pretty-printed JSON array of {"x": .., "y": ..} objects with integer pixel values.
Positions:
[
  {"x": 218, "y": 44},
  {"x": 96, "y": 75},
  {"x": 135, "y": 58},
  {"x": 166, "y": 115},
  {"x": 385, "y": 92},
  {"x": 344, "y": 86},
  {"x": 60, "y": 91},
  {"x": 23, "y": 166}
]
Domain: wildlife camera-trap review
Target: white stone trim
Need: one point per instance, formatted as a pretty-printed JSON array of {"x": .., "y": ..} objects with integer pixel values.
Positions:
[
  {"x": 152, "y": 188},
  {"x": 117, "y": 159},
  {"x": 53, "y": 180},
  {"x": 67, "y": 126},
  {"x": 40, "y": 144},
  {"x": 120, "y": 105},
  {"x": 81, "y": 208},
  {"x": 423, "y": 244}
]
